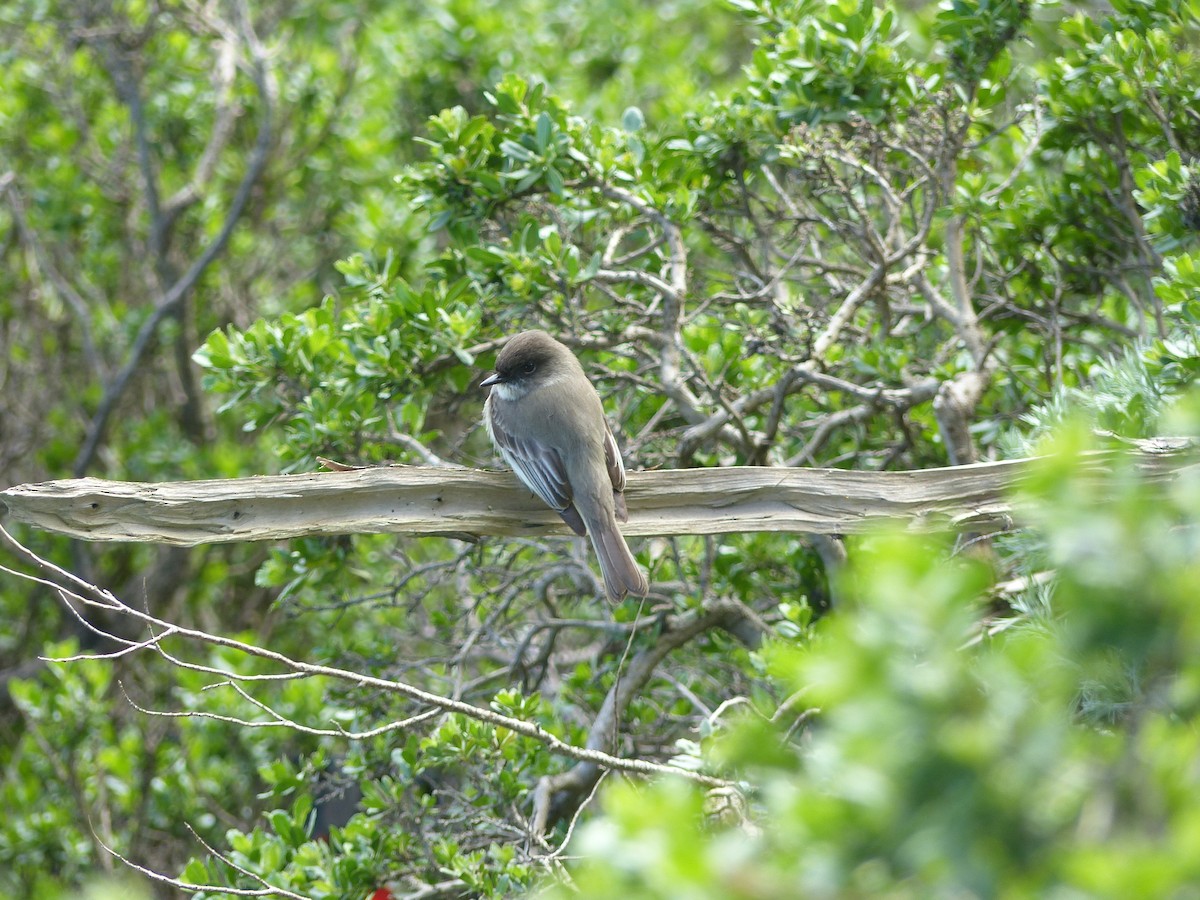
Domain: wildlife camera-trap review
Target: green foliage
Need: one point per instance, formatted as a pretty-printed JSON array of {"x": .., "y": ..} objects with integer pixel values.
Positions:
[
  {"x": 443, "y": 174},
  {"x": 406, "y": 818},
  {"x": 604, "y": 56},
  {"x": 827, "y": 62},
  {"x": 936, "y": 768},
  {"x": 1135, "y": 395},
  {"x": 1115, "y": 121},
  {"x": 524, "y": 196},
  {"x": 974, "y": 35},
  {"x": 1163, "y": 191},
  {"x": 342, "y": 375},
  {"x": 346, "y": 864},
  {"x": 86, "y": 761}
]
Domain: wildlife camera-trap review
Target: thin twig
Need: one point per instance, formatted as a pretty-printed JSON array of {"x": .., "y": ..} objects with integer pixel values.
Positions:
[{"x": 519, "y": 726}]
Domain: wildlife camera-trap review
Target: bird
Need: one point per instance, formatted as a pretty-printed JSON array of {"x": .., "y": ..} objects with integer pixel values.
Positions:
[{"x": 547, "y": 422}]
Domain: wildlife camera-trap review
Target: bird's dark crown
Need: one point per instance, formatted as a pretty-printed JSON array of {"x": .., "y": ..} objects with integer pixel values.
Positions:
[{"x": 525, "y": 354}]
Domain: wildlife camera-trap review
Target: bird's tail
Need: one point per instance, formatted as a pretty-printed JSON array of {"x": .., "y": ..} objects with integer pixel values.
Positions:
[{"x": 621, "y": 572}]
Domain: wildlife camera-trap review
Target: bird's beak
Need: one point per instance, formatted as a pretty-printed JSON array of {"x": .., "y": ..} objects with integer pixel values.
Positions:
[{"x": 494, "y": 378}]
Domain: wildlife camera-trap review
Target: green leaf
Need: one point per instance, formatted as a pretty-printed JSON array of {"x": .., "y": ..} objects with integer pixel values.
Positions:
[
  {"x": 513, "y": 150},
  {"x": 545, "y": 127}
]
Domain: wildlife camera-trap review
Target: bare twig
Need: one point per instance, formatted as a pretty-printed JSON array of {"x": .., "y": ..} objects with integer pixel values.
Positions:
[
  {"x": 278, "y": 720},
  {"x": 266, "y": 891},
  {"x": 518, "y": 726}
]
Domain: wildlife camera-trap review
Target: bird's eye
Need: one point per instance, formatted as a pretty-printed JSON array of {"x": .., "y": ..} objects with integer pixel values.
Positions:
[{"x": 528, "y": 368}]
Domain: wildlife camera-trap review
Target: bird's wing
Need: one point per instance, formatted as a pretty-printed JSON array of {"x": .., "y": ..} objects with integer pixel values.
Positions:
[
  {"x": 616, "y": 473},
  {"x": 540, "y": 468},
  {"x": 612, "y": 459}
]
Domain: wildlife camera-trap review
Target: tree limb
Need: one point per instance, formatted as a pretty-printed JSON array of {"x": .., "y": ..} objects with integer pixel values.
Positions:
[
  {"x": 169, "y": 304},
  {"x": 435, "y": 500},
  {"x": 564, "y": 789}
]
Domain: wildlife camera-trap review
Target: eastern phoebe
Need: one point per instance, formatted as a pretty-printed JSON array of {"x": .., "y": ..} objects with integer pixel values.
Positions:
[{"x": 546, "y": 420}]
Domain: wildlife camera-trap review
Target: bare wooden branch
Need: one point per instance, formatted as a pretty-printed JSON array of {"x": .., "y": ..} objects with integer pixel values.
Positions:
[
  {"x": 564, "y": 790},
  {"x": 430, "y": 500},
  {"x": 954, "y": 408},
  {"x": 172, "y": 300}
]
